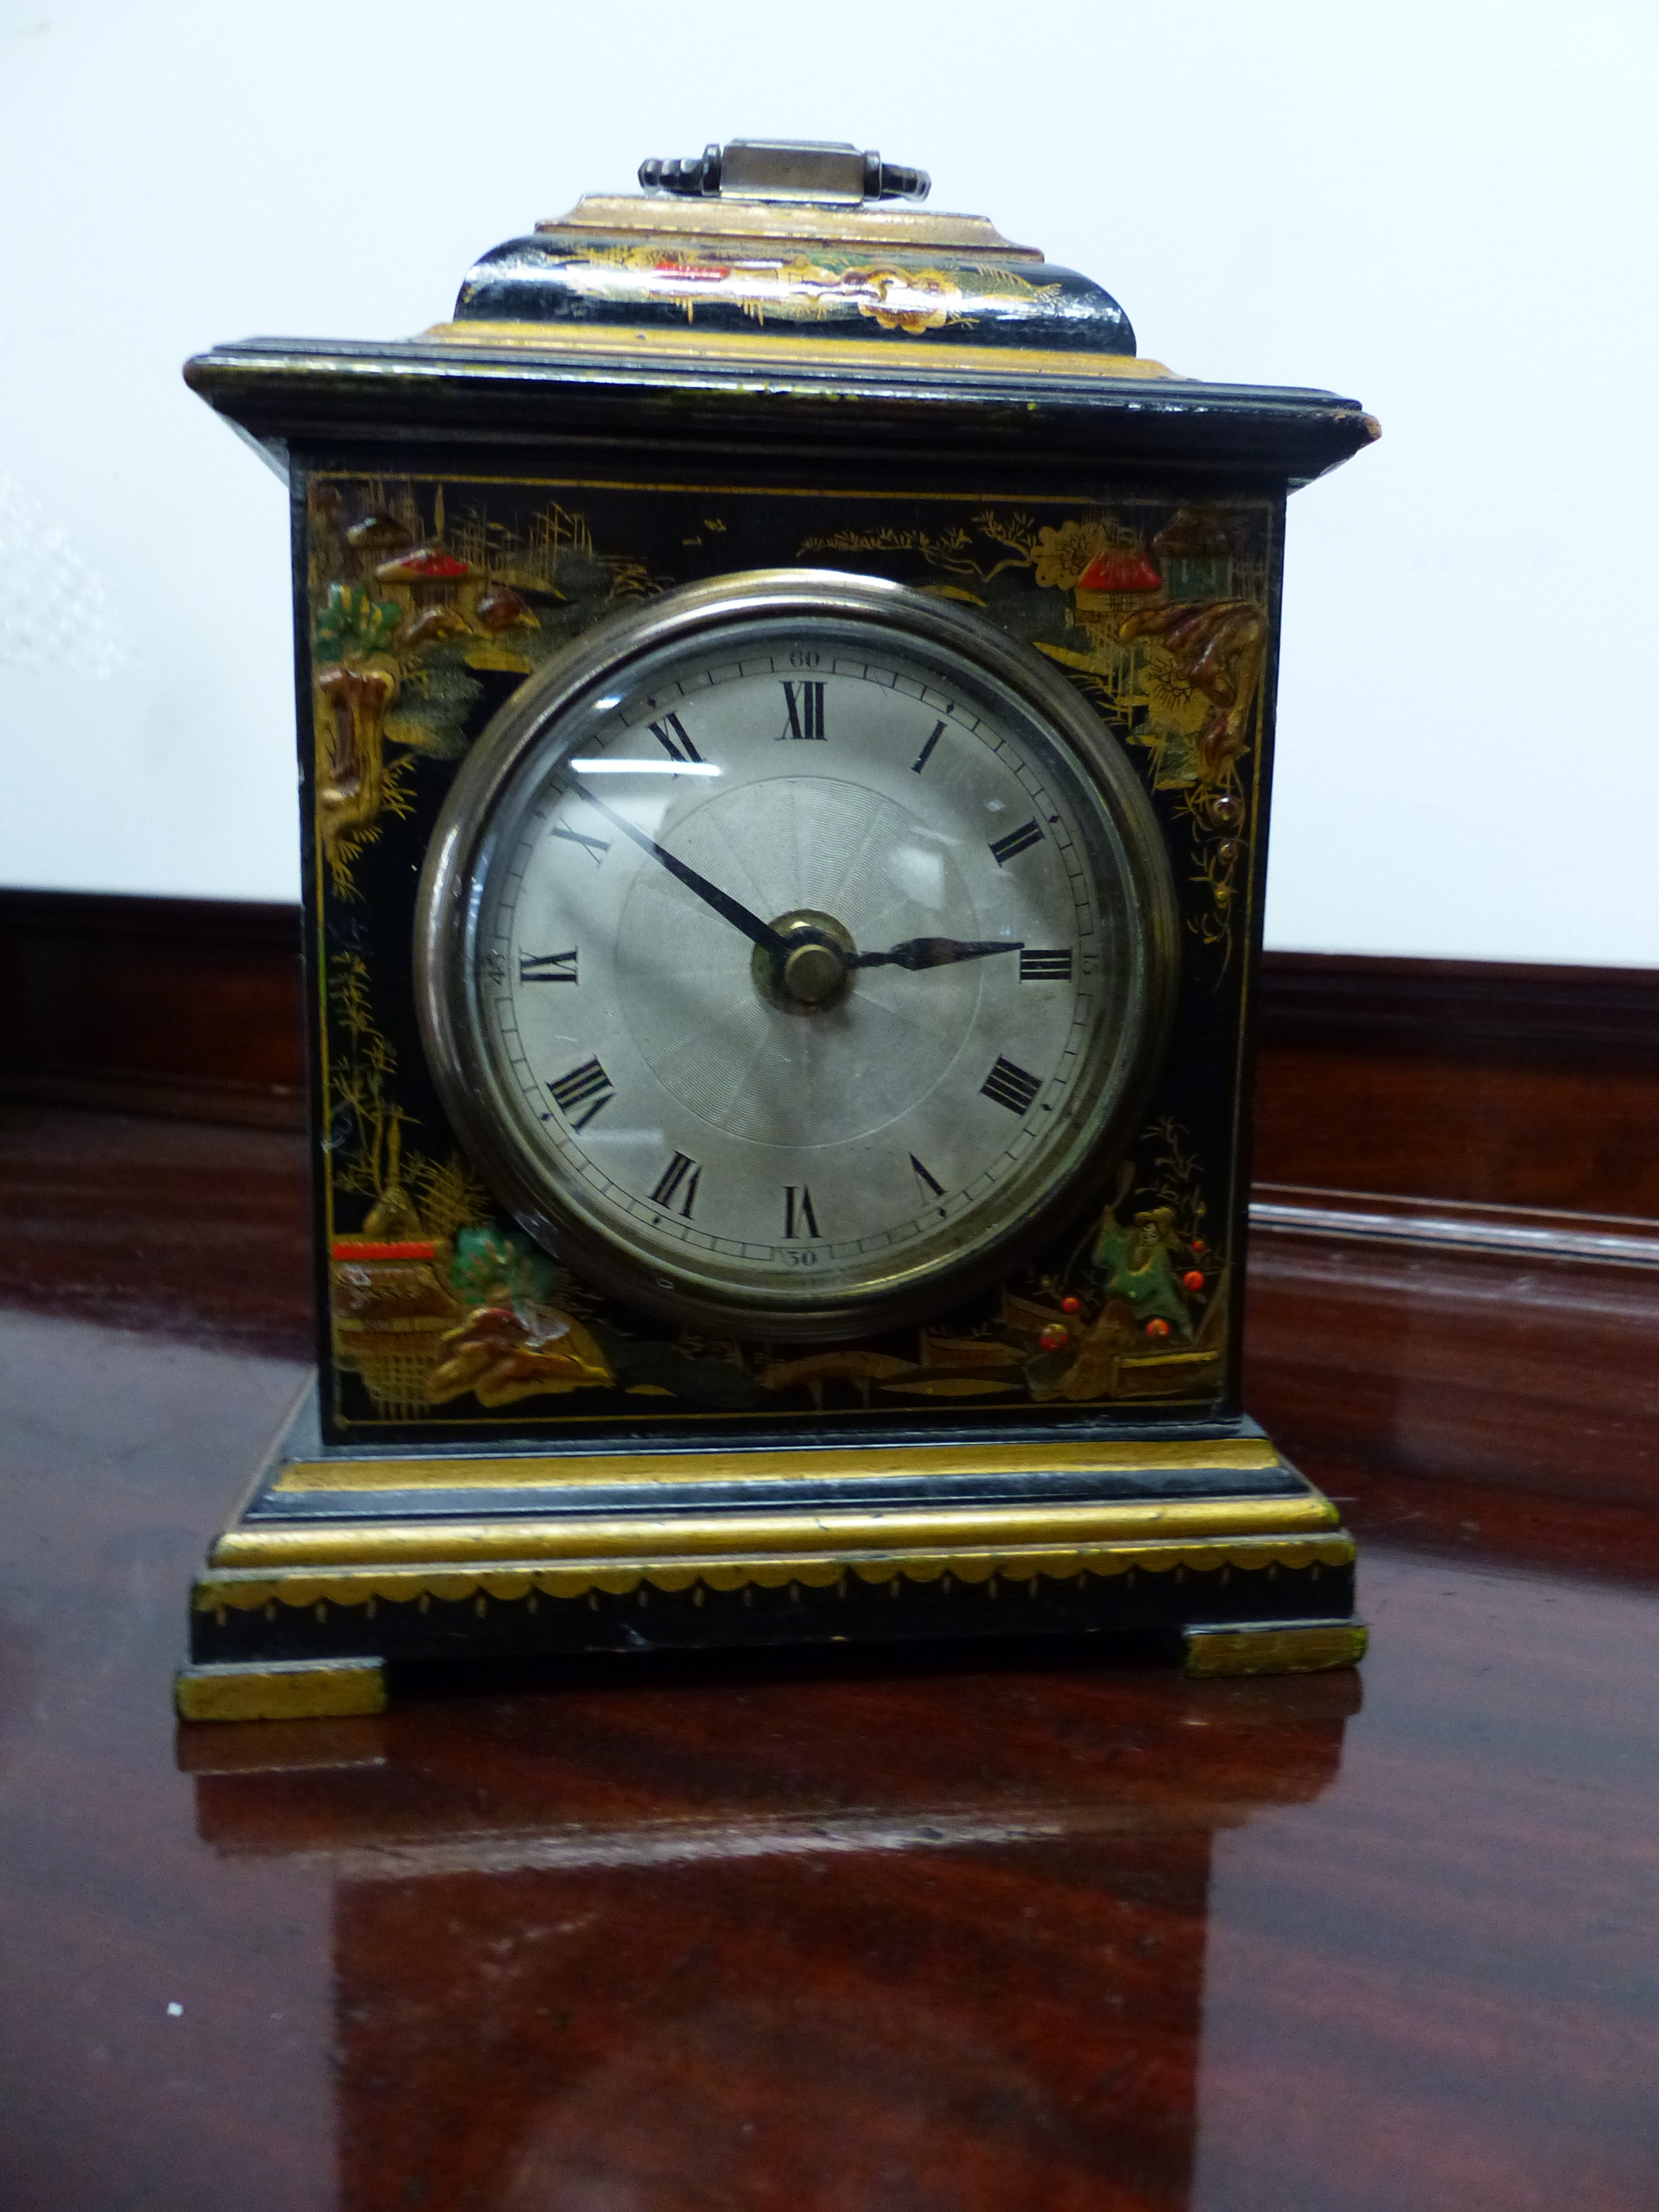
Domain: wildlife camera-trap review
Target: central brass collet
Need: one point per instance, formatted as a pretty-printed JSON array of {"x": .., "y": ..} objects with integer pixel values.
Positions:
[{"x": 815, "y": 967}]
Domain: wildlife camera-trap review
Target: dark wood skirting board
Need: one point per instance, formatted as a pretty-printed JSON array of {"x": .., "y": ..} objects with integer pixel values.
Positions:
[
  {"x": 1474, "y": 1082},
  {"x": 1379, "y": 1218},
  {"x": 179, "y": 1007},
  {"x": 1496, "y": 1011},
  {"x": 1496, "y": 1099}
]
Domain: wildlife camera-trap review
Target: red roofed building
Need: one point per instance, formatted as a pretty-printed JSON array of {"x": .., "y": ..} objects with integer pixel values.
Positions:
[
  {"x": 429, "y": 575},
  {"x": 1118, "y": 580}
]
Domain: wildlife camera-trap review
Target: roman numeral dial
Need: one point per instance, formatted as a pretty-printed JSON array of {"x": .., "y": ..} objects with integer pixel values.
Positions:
[{"x": 807, "y": 964}]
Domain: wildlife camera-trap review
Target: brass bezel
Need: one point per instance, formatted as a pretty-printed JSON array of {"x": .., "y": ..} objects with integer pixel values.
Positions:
[{"x": 450, "y": 893}]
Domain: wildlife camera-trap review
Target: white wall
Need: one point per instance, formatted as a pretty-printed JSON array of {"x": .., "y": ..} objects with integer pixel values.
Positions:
[{"x": 1446, "y": 211}]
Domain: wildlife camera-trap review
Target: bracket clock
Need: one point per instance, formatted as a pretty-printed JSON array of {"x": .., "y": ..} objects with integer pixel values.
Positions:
[{"x": 786, "y": 707}]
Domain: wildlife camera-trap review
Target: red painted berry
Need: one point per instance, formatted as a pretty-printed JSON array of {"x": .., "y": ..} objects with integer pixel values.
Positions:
[
  {"x": 1071, "y": 1305},
  {"x": 1157, "y": 1328},
  {"x": 1193, "y": 1280},
  {"x": 1053, "y": 1337}
]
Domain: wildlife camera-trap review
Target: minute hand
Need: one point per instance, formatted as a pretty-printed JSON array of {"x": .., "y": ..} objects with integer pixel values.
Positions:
[
  {"x": 934, "y": 952},
  {"x": 759, "y": 933}
]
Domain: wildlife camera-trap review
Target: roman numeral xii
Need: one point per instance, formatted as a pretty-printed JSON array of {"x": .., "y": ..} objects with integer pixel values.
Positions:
[{"x": 805, "y": 705}]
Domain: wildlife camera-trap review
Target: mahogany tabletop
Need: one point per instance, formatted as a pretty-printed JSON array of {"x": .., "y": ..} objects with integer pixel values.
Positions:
[{"x": 877, "y": 1935}]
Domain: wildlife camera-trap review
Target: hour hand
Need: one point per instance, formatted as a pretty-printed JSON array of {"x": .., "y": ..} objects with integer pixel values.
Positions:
[{"x": 935, "y": 952}]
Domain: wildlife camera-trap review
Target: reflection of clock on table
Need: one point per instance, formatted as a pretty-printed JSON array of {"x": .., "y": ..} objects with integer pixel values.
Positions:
[{"x": 785, "y": 700}]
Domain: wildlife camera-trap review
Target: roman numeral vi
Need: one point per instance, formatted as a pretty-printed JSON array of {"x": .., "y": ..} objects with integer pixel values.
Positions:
[{"x": 799, "y": 1220}]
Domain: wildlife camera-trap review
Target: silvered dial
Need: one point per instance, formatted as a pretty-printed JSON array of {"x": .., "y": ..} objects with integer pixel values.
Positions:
[{"x": 798, "y": 959}]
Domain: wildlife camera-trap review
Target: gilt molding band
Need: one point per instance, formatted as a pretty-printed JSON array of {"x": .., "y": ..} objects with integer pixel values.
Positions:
[
  {"x": 834, "y": 1532},
  {"x": 884, "y": 223},
  {"x": 1253, "y": 1455},
  {"x": 767, "y": 355},
  {"x": 455, "y": 1580}
]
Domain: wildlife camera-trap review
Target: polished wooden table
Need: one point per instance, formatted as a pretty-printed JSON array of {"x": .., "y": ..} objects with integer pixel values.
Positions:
[{"x": 952, "y": 1932}]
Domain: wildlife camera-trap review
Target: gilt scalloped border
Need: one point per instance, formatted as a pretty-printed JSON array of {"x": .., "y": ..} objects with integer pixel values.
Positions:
[{"x": 248, "y": 1589}]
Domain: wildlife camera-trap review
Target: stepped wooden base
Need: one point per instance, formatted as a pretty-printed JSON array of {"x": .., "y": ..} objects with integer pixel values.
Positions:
[{"x": 1206, "y": 1547}]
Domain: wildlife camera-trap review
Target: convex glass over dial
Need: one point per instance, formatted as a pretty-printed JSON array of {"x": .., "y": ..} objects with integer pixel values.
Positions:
[{"x": 790, "y": 949}]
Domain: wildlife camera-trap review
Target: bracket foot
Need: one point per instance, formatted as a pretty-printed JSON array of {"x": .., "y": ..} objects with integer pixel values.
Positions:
[
  {"x": 1274, "y": 1648},
  {"x": 281, "y": 1689}
]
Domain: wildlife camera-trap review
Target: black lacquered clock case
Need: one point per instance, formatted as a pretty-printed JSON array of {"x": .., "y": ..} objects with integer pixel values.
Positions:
[{"x": 427, "y": 601}]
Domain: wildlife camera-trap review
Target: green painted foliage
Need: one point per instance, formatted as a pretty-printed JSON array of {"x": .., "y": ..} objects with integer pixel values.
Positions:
[
  {"x": 352, "y": 625},
  {"x": 499, "y": 1267}
]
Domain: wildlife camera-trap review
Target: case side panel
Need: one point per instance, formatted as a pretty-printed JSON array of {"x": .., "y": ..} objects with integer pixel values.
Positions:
[{"x": 1241, "y": 1166}]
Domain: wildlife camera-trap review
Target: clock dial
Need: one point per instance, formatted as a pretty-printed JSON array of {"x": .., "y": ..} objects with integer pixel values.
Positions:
[{"x": 803, "y": 958}]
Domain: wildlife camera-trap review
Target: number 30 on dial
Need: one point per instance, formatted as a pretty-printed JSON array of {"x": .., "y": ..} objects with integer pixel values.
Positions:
[{"x": 792, "y": 952}]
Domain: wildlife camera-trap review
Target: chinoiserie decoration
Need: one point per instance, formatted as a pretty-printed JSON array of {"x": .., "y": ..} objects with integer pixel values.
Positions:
[{"x": 785, "y": 707}]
